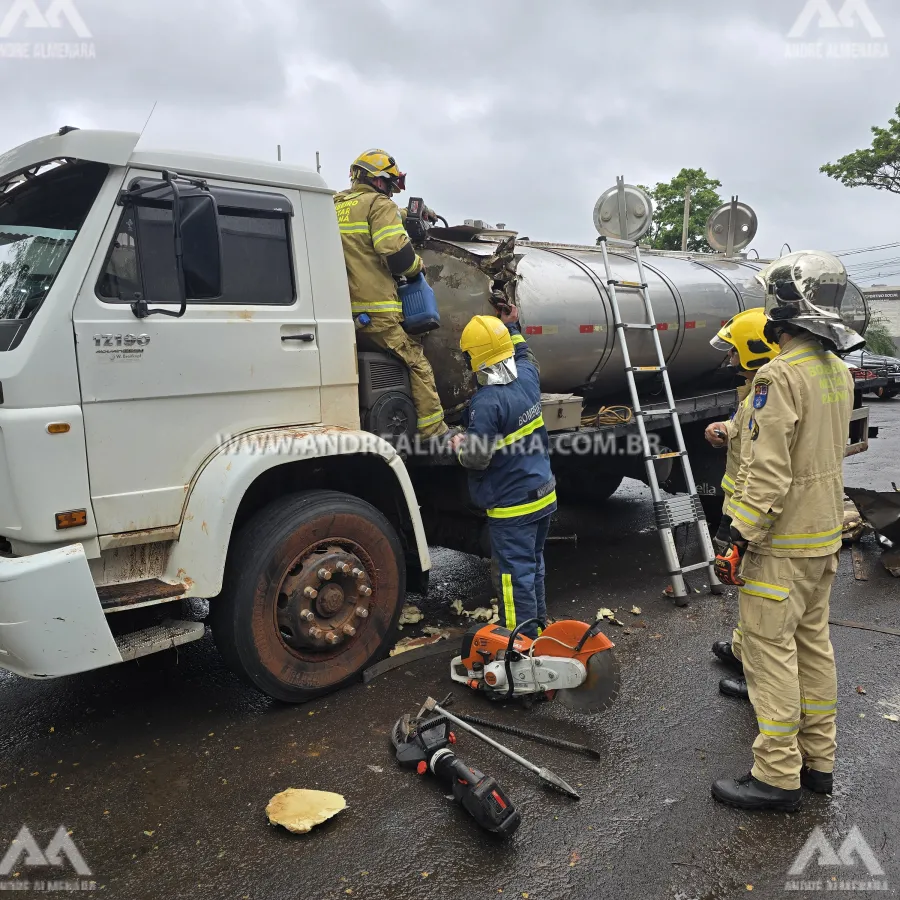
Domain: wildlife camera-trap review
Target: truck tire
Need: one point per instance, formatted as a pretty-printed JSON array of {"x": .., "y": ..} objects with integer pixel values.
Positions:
[
  {"x": 286, "y": 628},
  {"x": 578, "y": 490}
]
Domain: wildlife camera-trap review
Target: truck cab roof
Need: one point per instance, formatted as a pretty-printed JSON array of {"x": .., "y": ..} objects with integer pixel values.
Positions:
[{"x": 117, "y": 148}]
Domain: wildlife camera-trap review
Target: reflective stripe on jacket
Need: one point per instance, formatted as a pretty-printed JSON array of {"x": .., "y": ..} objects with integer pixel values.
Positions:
[
  {"x": 788, "y": 498},
  {"x": 376, "y": 249}
]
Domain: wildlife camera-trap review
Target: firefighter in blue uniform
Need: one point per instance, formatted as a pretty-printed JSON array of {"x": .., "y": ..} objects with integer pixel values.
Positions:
[{"x": 505, "y": 449}]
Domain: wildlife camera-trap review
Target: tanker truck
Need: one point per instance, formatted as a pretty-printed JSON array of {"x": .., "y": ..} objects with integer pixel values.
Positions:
[
  {"x": 566, "y": 316},
  {"x": 184, "y": 415}
]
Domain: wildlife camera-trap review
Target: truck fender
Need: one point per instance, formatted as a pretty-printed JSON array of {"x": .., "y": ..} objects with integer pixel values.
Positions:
[{"x": 198, "y": 557}]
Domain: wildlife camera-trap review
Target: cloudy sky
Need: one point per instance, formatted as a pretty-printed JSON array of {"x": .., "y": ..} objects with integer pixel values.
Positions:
[{"x": 520, "y": 111}]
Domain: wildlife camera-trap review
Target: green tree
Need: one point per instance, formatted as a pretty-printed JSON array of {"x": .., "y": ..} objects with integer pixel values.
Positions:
[
  {"x": 668, "y": 215},
  {"x": 878, "y": 338},
  {"x": 877, "y": 166}
]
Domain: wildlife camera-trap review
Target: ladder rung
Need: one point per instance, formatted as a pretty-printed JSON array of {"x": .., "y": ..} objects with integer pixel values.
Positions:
[
  {"x": 671, "y": 455},
  {"x": 694, "y": 566},
  {"x": 646, "y": 369},
  {"x": 617, "y": 242},
  {"x": 616, "y": 282},
  {"x": 655, "y": 412},
  {"x": 635, "y": 326}
]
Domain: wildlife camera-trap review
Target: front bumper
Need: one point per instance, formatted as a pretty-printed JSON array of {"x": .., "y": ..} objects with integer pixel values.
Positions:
[{"x": 51, "y": 620}]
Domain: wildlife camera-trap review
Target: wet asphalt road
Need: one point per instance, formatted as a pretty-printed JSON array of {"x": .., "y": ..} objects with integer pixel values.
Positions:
[{"x": 162, "y": 770}]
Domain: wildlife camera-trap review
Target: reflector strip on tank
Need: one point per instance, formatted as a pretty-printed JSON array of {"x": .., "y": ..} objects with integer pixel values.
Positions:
[
  {"x": 590, "y": 329},
  {"x": 541, "y": 329},
  {"x": 701, "y": 324}
]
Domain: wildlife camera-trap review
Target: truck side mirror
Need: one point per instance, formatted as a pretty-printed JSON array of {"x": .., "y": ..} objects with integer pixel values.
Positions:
[
  {"x": 196, "y": 232},
  {"x": 201, "y": 246}
]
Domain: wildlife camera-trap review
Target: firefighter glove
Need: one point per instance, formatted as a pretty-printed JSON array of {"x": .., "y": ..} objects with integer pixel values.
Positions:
[
  {"x": 728, "y": 564},
  {"x": 723, "y": 536}
]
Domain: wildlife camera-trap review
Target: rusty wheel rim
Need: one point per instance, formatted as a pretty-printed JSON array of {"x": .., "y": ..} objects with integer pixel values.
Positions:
[{"x": 324, "y": 599}]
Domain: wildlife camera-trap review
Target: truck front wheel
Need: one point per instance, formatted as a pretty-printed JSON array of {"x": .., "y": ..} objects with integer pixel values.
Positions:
[{"x": 312, "y": 594}]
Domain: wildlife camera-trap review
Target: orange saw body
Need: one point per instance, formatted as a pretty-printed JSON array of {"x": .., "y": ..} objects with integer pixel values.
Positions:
[{"x": 570, "y": 661}]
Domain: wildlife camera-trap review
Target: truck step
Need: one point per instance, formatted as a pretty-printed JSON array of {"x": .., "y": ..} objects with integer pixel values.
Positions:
[
  {"x": 171, "y": 633},
  {"x": 134, "y": 593}
]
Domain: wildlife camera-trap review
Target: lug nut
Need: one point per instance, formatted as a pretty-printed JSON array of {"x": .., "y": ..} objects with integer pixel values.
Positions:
[
  {"x": 315, "y": 633},
  {"x": 349, "y": 630},
  {"x": 358, "y": 573},
  {"x": 365, "y": 590},
  {"x": 310, "y": 592},
  {"x": 324, "y": 574},
  {"x": 362, "y": 612},
  {"x": 307, "y": 614},
  {"x": 345, "y": 568},
  {"x": 332, "y": 637}
]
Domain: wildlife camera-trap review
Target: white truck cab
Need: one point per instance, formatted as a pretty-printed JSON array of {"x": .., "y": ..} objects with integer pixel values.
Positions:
[{"x": 179, "y": 418}]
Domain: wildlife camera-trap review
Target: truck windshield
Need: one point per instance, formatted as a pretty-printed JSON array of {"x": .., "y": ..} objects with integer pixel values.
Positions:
[{"x": 39, "y": 220}]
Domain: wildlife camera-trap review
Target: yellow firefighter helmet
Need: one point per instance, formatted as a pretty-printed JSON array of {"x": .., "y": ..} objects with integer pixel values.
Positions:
[
  {"x": 378, "y": 164},
  {"x": 486, "y": 340},
  {"x": 745, "y": 333}
]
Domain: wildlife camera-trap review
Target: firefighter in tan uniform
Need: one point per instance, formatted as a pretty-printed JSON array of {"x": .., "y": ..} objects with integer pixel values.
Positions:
[
  {"x": 787, "y": 519},
  {"x": 743, "y": 338},
  {"x": 377, "y": 250}
]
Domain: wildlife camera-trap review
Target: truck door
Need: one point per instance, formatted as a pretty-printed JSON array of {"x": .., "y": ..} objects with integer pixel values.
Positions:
[{"x": 160, "y": 394}]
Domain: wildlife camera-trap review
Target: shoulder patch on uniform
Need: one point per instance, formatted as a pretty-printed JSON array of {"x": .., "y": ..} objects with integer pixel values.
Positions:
[
  {"x": 755, "y": 434},
  {"x": 760, "y": 393}
]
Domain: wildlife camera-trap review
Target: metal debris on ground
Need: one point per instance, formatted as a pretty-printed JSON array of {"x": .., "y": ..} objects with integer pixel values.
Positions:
[
  {"x": 300, "y": 810},
  {"x": 411, "y": 614},
  {"x": 635, "y": 610},
  {"x": 892, "y": 718}
]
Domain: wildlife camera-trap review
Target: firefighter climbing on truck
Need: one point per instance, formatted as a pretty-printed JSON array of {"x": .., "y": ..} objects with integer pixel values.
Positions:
[
  {"x": 505, "y": 449},
  {"x": 377, "y": 251},
  {"x": 743, "y": 338}
]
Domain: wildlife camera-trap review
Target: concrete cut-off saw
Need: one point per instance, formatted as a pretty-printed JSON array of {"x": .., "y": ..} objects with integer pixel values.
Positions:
[{"x": 571, "y": 662}]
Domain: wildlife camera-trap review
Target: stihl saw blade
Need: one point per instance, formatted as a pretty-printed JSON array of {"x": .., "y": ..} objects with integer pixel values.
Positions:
[{"x": 600, "y": 688}]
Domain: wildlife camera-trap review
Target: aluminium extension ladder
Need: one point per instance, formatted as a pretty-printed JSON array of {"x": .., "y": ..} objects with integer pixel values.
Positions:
[{"x": 679, "y": 510}]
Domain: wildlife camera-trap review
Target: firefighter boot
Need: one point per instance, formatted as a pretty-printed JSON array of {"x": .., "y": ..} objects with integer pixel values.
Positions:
[
  {"x": 734, "y": 686},
  {"x": 723, "y": 652},
  {"x": 819, "y": 782},
  {"x": 749, "y": 793}
]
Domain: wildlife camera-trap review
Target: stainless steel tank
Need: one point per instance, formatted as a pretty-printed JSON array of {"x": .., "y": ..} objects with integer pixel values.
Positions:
[{"x": 567, "y": 318}]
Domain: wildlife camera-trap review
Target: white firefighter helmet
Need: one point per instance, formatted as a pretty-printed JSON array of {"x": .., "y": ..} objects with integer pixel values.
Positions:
[{"x": 806, "y": 289}]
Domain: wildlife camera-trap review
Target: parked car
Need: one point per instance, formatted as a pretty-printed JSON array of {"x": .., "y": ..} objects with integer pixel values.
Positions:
[{"x": 884, "y": 382}]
